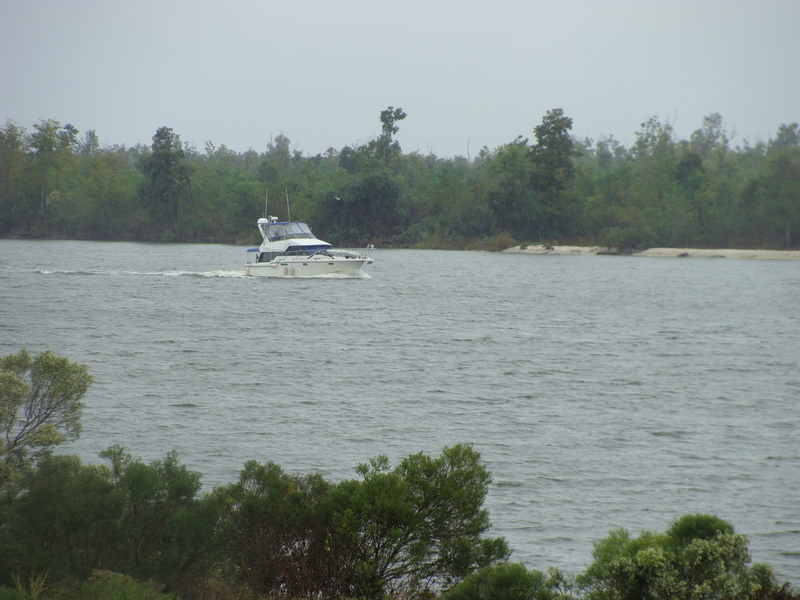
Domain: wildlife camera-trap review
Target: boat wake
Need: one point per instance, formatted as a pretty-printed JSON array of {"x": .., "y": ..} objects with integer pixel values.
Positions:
[
  {"x": 199, "y": 274},
  {"x": 224, "y": 274}
]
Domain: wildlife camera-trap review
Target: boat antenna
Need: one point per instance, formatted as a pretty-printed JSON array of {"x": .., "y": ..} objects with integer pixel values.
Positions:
[
  {"x": 288, "y": 211},
  {"x": 266, "y": 202}
]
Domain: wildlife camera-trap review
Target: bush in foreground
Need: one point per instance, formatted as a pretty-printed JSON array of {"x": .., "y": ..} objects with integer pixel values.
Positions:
[{"x": 698, "y": 557}]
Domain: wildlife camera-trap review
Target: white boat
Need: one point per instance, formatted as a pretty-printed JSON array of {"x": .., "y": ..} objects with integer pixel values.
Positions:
[{"x": 290, "y": 249}]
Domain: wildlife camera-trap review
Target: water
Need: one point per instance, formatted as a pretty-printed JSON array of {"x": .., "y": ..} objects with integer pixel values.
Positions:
[{"x": 602, "y": 392}]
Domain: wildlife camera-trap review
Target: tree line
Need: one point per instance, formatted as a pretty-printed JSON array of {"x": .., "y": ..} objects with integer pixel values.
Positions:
[
  {"x": 132, "y": 530},
  {"x": 660, "y": 191}
]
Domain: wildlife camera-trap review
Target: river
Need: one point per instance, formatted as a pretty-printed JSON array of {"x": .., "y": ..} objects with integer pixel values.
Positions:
[{"x": 601, "y": 392}]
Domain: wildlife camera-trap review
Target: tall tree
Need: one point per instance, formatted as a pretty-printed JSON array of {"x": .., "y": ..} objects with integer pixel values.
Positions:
[
  {"x": 387, "y": 146},
  {"x": 553, "y": 174},
  {"x": 710, "y": 136},
  {"x": 13, "y": 147},
  {"x": 167, "y": 189},
  {"x": 53, "y": 147},
  {"x": 655, "y": 139},
  {"x": 788, "y": 137},
  {"x": 378, "y": 152}
]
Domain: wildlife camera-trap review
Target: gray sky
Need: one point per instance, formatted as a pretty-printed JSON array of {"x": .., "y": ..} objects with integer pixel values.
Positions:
[{"x": 468, "y": 74}]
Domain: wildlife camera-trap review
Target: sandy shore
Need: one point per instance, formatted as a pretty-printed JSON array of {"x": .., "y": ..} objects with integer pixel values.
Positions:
[{"x": 661, "y": 252}]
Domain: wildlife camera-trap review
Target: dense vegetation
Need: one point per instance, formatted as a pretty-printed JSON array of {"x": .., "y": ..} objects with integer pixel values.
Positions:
[
  {"x": 130, "y": 530},
  {"x": 662, "y": 191}
]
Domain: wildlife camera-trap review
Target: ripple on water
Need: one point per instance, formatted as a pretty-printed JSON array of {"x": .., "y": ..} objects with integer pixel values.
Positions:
[{"x": 602, "y": 393}]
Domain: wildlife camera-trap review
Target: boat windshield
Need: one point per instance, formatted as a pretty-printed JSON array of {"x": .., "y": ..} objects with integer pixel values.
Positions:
[{"x": 290, "y": 230}]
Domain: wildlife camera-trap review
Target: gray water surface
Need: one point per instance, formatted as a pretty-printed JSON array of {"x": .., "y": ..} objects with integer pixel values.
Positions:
[{"x": 602, "y": 392}]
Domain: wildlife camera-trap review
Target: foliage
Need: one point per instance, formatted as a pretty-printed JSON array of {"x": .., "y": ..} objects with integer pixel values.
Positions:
[
  {"x": 40, "y": 406},
  {"x": 377, "y": 153},
  {"x": 65, "y": 522},
  {"x": 144, "y": 520},
  {"x": 405, "y": 530},
  {"x": 107, "y": 585},
  {"x": 275, "y": 538},
  {"x": 69, "y": 530},
  {"x": 368, "y": 207},
  {"x": 417, "y": 530},
  {"x": 509, "y": 581},
  {"x": 662, "y": 191},
  {"x": 530, "y": 195},
  {"x": 167, "y": 188},
  {"x": 436, "y": 532},
  {"x": 500, "y": 242},
  {"x": 699, "y": 556},
  {"x": 164, "y": 528},
  {"x": 13, "y": 594}
]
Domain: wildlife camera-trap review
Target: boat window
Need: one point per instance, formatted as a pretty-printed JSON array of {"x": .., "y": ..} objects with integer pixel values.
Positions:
[
  {"x": 286, "y": 231},
  {"x": 267, "y": 256}
]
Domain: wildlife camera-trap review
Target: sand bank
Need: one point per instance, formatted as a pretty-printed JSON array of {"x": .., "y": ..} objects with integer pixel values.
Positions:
[{"x": 661, "y": 252}]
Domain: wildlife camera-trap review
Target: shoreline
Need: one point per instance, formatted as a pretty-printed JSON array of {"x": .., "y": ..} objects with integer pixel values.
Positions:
[{"x": 658, "y": 252}]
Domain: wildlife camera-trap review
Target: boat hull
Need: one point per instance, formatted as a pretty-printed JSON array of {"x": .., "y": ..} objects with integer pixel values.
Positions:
[{"x": 308, "y": 267}]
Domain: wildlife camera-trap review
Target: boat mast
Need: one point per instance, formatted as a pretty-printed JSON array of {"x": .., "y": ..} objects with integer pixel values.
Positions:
[{"x": 288, "y": 211}]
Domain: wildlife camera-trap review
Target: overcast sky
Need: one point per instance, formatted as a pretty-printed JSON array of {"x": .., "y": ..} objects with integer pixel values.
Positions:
[{"x": 467, "y": 73}]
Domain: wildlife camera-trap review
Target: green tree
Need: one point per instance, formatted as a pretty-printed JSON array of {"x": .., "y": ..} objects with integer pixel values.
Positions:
[
  {"x": 710, "y": 136},
  {"x": 278, "y": 159},
  {"x": 654, "y": 139},
  {"x": 107, "y": 585},
  {"x": 53, "y": 147},
  {"x": 401, "y": 531},
  {"x": 788, "y": 137},
  {"x": 509, "y": 581},
  {"x": 553, "y": 174},
  {"x": 553, "y": 153},
  {"x": 418, "y": 527},
  {"x": 379, "y": 152},
  {"x": 166, "y": 530},
  {"x": 773, "y": 201},
  {"x": 167, "y": 190},
  {"x": 386, "y": 147},
  {"x": 369, "y": 206},
  {"x": 50, "y": 176},
  {"x": 276, "y": 537},
  {"x": 699, "y": 556},
  {"x": 106, "y": 208},
  {"x": 510, "y": 196},
  {"x": 13, "y": 148},
  {"x": 531, "y": 195},
  {"x": 65, "y": 523},
  {"x": 40, "y": 406}
]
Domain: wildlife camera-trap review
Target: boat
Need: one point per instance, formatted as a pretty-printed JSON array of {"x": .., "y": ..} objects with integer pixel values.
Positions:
[{"x": 290, "y": 249}]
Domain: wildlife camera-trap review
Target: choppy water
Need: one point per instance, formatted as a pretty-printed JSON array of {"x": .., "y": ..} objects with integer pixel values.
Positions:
[{"x": 602, "y": 392}]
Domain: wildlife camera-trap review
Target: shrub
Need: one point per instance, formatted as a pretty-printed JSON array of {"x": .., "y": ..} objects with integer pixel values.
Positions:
[
  {"x": 12, "y": 594},
  {"x": 106, "y": 585},
  {"x": 506, "y": 581},
  {"x": 698, "y": 557},
  {"x": 501, "y": 241}
]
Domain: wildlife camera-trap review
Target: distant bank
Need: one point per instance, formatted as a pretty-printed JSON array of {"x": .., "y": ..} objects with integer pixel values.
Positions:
[{"x": 660, "y": 252}]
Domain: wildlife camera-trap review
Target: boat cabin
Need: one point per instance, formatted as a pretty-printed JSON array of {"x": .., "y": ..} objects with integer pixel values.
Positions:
[
  {"x": 294, "y": 251},
  {"x": 273, "y": 231}
]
